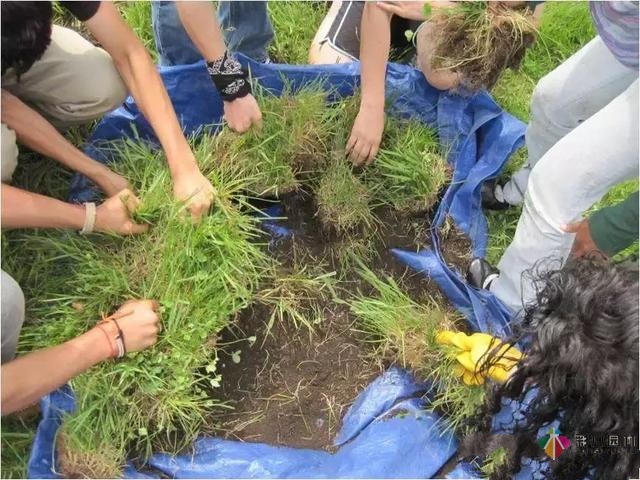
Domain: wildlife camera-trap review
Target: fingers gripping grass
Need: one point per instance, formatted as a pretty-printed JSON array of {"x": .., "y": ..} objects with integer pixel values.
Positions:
[
  {"x": 292, "y": 145},
  {"x": 201, "y": 274}
]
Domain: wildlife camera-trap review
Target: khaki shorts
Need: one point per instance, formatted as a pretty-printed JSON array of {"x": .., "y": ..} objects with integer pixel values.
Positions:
[{"x": 73, "y": 83}]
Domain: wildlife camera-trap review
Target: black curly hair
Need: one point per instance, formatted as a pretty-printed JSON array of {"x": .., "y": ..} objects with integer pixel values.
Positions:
[
  {"x": 581, "y": 337},
  {"x": 26, "y": 33}
]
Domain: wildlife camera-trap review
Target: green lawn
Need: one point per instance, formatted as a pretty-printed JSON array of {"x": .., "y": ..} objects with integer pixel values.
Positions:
[{"x": 566, "y": 26}]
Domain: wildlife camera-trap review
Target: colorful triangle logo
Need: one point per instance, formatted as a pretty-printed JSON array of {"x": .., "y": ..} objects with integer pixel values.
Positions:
[{"x": 554, "y": 443}]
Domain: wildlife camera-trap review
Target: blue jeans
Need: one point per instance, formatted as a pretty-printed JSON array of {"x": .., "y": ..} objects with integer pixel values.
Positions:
[{"x": 245, "y": 25}]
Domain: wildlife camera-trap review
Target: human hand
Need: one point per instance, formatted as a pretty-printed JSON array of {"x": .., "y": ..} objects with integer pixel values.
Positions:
[
  {"x": 110, "y": 182},
  {"x": 194, "y": 189},
  {"x": 139, "y": 322},
  {"x": 583, "y": 244},
  {"x": 408, "y": 10},
  {"x": 243, "y": 112},
  {"x": 497, "y": 4},
  {"x": 472, "y": 353},
  {"x": 366, "y": 135},
  {"x": 412, "y": 10},
  {"x": 114, "y": 214}
]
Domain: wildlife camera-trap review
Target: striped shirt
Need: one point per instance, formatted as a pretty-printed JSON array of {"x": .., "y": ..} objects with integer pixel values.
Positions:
[{"x": 617, "y": 25}]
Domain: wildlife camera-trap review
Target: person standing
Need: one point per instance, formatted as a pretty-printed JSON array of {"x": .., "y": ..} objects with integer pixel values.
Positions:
[{"x": 582, "y": 141}]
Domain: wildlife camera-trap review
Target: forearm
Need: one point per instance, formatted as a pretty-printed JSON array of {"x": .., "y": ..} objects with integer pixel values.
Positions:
[
  {"x": 34, "y": 131},
  {"x": 146, "y": 87},
  {"x": 22, "y": 209},
  {"x": 30, "y": 377},
  {"x": 143, "y": 81},
  {"x": 374, "y": 53},
  {"x": 199, "y": 21}
]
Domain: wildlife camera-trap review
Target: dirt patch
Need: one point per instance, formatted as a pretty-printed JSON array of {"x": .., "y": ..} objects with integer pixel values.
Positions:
[
  {"x": 294, "y": 388},
  {"x": 290, "y": 386},
  {"x": 456, "y": 246}
]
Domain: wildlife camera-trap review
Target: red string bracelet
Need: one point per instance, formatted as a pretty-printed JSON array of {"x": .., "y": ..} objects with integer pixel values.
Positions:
[{"x": 101, "y": 328}]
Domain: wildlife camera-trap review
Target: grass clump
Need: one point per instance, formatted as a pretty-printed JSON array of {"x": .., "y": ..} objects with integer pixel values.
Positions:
[
  {"x": 409, "y": 171},
  {"x": 293, "y": 143},
  {"x": 343, "y": 201},
  {"x": 295, "y": 296},
  {"x": 202, "y": 276},
  {"x": 480, "y": 40},
  {"x": 403, "y": 329},
  {"x": 406, "y": 332},
  {"x": 295, "y": 24},
  {"x": 16, "y": 434}
]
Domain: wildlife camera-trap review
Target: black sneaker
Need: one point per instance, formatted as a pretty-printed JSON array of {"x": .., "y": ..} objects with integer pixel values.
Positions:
[
  {"x": 481, "y": 273},
  {"x": 489, "y": 200}
]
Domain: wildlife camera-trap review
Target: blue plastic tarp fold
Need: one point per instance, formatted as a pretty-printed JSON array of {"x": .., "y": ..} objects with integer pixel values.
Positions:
[{"x": 387, "y": 433}]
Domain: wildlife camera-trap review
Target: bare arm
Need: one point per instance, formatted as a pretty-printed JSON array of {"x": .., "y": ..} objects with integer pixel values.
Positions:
[
  {"x": 144, "y": 83},
  {"x": 22, "y": 209},
  {"x": 34, "y": 131},
  {"x": 537, "y": 14},
  {"x": 368, "y": 126},
  {"x": 374, "y": 53},
  {"x": 199, "y": 20},
  {"x": 30, "y": 377}
]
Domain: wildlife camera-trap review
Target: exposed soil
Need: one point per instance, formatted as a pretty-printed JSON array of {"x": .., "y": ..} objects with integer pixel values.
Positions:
[
  {"x": 456, "y": 247},
  {"x": 290, "y": 386},
  {"x": 295, "y": 388}
]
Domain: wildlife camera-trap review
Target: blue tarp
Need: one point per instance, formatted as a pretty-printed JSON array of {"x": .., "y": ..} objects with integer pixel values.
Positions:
[{"x": 373, "y": 442}]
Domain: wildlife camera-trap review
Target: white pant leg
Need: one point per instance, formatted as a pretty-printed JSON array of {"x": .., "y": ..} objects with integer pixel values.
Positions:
[
  {"x": 573, "y": 175},
  {"x": 565, "y": 98}
]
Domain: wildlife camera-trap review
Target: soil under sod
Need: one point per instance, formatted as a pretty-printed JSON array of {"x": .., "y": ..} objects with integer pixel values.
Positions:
[
  {"x": 294, "y": 389},
  {"x": 291, "y": 386}
]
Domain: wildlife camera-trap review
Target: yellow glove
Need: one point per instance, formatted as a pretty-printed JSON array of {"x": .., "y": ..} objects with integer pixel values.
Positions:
[{"x": 472, "y": 350}]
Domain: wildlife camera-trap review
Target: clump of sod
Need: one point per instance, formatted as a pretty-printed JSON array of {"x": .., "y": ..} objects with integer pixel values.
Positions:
[
  {"x": 295, "y": 295},
  {"x": 479, "y": 40},
  {"x": 406, "y": 332},
  {"x": 343, "y": 201},
  {"x": 404, "y": 329},
  {"x": 409, "y": 171},
  {"x": 202, "y": 275},
  {"x": 293, "y": 143}
]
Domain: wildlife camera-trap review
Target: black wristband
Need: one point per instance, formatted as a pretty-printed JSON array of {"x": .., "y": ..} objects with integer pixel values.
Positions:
[{"x": 229, "y": 77}]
